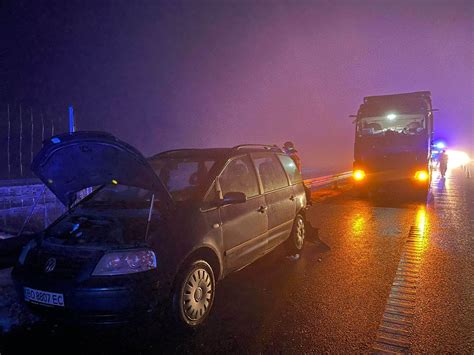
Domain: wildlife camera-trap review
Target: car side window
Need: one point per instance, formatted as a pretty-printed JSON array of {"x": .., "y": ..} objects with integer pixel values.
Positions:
[
  {"x": 239, "y": 176},
  {"x": 271, "y": 172},
  {"x": 291, "y": 169}
]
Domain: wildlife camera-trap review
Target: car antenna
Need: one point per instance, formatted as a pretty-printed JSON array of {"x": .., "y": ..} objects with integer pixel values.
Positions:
[{"x": 149, "y": 216}]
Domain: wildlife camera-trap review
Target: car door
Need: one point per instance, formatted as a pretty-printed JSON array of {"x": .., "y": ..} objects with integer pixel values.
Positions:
[
  {"x": 244, "y": 225},
  {"x": 279, "y": 197}
]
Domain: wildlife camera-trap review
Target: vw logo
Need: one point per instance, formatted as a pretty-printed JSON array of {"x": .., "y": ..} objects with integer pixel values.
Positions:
[{"x": 50, "y": 265}]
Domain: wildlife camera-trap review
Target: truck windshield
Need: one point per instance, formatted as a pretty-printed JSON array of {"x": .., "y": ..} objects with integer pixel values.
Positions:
[{"x": 391, "y": 124}]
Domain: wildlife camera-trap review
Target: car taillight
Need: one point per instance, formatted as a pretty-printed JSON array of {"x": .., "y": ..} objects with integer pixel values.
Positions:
[
  {"x": 125, "y": 262},
  {"x": 421, "y": 175},
  {"x": 359, "y": 175}
]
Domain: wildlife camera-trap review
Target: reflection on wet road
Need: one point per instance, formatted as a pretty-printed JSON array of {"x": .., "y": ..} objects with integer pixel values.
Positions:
[
  {"x": 336, "y": 296},
  {"x": 444, "y": 321}
]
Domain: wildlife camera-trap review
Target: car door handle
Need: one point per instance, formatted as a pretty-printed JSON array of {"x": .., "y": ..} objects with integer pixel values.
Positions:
[
  {"x": 262, "y": 209},
  {"x": 292, "y": 198}
]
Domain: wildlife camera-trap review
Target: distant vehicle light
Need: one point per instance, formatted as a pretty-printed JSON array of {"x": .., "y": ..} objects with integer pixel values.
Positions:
[
  {"x": 440, "y": 145},
  {"x": 457, "y": 158},
  {"x": 391, "y": 116},
  {"x": 359, "y": 175},
  {"x": 421, "y": 175}
]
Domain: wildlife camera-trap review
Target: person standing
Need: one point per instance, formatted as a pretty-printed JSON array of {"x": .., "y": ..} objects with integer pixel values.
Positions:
[
  {"x": 443, "y": 162},
  {"x": 290, "y": 150}
]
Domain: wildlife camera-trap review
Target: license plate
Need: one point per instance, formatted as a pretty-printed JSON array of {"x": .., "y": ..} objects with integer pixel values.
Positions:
[{"x": 44, "y": 297}]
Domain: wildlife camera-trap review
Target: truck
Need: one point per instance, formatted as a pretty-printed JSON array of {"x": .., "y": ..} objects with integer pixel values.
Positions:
[{"x": 393, "y": 139}]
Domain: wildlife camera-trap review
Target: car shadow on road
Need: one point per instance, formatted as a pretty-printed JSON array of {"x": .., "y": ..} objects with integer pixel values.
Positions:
[{"x": 312, "y": 237}]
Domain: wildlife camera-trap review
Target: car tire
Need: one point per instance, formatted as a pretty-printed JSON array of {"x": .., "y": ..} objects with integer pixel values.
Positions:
[
  {"x": 193, "y": 295},
  {"x": 295, "y": 243}
]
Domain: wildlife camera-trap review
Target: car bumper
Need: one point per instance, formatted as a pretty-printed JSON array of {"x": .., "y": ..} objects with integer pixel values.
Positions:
[
  {"x": 94, "y": 303},
  {"x": 392, "y": 179}
]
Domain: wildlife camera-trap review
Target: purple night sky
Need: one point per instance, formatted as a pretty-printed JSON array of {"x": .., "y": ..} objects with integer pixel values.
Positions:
[{"x": 165, "y": 75}]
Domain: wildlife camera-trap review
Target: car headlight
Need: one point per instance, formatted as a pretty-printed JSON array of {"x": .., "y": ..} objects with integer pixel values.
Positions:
[
  {"x": 26, "y": 249},
  {"x": 125, "y": 262}
]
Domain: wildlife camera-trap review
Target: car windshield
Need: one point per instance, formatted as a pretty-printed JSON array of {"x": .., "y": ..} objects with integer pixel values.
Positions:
[
  {"x": 391, "y": 123},
  {"x": 184, "y": 177},
  {"x": 117, "y": 196}
]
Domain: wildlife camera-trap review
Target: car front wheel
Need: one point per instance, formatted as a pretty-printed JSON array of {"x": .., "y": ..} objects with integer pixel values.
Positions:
[{"x": 193, "y": 294}]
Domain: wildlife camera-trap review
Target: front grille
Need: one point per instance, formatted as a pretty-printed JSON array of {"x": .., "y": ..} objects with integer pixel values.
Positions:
[{"x": 67, "y": 267}]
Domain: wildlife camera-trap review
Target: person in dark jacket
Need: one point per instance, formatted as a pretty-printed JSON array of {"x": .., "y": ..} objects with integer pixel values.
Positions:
[
  {"x": 443, "y": 162},
  {"x": 311, "y": 232},
  {"x": 290, "y": 150}
]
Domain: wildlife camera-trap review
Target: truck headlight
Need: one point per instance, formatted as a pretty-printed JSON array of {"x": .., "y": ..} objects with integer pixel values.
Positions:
[
  {"x": 421, "y": 175},
  {"x": 125, "y": 262},
  {"x": 358, "y": 175}
]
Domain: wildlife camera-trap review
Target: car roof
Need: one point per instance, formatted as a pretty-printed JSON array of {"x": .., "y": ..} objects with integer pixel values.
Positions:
[{"x": 217, "y": 153}]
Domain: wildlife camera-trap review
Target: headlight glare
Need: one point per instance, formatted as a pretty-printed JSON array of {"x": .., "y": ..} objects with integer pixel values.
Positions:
[
  {"x": 359, "y": 175},
  {"x": 125, "y": 262},
  {"x": 421, "y": 175}
]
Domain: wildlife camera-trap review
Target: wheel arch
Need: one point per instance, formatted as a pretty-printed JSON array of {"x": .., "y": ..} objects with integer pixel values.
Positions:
[
  {"x": 208, "y": 254},
  {"x": 302, "y": 212}
]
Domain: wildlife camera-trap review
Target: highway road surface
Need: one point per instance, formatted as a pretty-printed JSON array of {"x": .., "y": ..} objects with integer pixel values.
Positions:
[{"x": 384, "y": 275}]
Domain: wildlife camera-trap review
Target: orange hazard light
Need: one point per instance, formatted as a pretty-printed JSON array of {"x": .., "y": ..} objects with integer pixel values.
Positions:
[
  {"x": 421, "y": 175},
  {"x": 359, "y": 175}
]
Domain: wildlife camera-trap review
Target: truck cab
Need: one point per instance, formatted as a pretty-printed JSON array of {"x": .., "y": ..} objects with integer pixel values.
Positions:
[{"x": 392, "y": 149}]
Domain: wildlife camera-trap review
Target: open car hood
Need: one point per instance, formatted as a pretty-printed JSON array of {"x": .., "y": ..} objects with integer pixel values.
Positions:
[{"x": 71, "y": 162}]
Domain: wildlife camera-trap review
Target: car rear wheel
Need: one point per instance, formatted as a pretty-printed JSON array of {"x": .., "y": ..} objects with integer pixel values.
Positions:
[
  {"x": 194, "y": 294},
  {"x": 295, "y": 242}
]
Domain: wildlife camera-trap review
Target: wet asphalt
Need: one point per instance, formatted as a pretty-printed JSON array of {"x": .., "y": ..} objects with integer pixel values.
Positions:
[{"x": 329, "y": 300}]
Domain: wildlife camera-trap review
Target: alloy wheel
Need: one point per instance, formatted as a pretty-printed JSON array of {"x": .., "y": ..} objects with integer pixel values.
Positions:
[{"x": 300, "y": 233}]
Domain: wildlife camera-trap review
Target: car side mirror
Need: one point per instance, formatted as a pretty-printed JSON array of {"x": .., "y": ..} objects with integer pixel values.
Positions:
[{"x": 232, "y": 198}]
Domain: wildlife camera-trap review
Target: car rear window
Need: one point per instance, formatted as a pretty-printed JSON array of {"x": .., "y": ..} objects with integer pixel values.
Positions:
[
  {"x": 271, "y": 172},
  {"x": 291, "y": 169}
]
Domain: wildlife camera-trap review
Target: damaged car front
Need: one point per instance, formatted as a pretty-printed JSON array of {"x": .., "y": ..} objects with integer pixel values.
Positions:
[{"x": 96, "y": 264}]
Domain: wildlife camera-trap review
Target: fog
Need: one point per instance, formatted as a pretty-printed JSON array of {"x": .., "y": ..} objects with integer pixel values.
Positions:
[{"x": 164, "y": 75}]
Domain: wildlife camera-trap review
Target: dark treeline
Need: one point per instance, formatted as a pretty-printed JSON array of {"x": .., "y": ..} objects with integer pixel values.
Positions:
[{"x": 22, "y": 131}]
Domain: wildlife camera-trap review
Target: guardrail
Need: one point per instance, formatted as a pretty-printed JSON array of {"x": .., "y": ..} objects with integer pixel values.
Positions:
[{"x": 328, "y": 180}]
